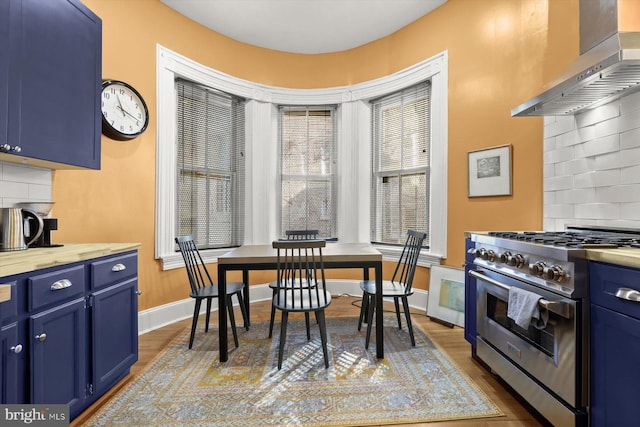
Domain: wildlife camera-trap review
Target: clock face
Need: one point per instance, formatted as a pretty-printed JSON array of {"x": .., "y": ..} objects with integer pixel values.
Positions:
[{"x": 124, "y": 112}]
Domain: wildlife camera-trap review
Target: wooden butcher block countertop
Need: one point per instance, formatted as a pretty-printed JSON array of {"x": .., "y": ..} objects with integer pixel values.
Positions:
[
  {"x": 629, "y": 257},
  {"x": 17, "y": 262}
]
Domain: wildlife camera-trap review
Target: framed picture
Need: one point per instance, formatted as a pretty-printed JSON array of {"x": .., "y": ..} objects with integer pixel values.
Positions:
[
  {"x": 490, "y": 172},
  {"x": 446, "y": 295}
]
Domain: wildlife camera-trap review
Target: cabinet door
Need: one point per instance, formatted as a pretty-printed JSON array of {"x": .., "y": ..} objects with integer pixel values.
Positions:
[
  {"x": 58, "y": 355},
  {"x": 469, "y": 296},
  {"x": 114, "y": 333},
  {"x": 615, "y": 378},
  {"x": 54, "y": 81},
  {"x": 11, "y": 351}
]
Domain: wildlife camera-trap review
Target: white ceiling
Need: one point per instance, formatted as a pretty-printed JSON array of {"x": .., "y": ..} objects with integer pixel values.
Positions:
[{"x": 304, "y": 26}]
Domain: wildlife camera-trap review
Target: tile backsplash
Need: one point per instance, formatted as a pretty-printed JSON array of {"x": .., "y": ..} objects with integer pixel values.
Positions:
[
  {"x": 592, "y": 167},
  {"x": 21, "y": 183}
]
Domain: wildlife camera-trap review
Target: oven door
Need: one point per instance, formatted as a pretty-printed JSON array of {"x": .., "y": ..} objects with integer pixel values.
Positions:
[{"x": 549, "y": 355}]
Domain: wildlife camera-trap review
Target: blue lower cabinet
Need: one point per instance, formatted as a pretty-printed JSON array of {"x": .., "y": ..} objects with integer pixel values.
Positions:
[
  {"x": 615, "y": 345},
  {"x": 59, "y": 356},
  {"x": 469, "y": 296},
  {"x": 74, "y": 334}
]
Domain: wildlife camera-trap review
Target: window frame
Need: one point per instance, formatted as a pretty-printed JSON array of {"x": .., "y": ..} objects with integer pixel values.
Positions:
[
  {"x": 353, "y": 141},
  {"x": 330, "y": 178}
]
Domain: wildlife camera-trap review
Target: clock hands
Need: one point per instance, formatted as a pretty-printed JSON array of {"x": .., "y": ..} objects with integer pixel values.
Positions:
[
  {"x": 125, "y": 112},
  {"x": 120, "y": 104}
]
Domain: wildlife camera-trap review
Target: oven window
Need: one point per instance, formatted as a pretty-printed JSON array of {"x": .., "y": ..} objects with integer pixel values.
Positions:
[{"x": 542, "y": 339}]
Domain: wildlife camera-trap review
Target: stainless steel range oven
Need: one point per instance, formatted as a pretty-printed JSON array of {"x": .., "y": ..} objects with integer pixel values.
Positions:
[{"x": 547, "y": 365}]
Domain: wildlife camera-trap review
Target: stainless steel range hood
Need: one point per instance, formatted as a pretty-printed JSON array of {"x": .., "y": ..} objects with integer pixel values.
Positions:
[{"x": 607, "y": 68}]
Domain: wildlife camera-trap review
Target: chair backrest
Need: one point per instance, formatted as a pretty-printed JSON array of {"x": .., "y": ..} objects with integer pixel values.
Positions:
[
  {"x": 300, "y": 271},
  {"x": 408, "y": 261},
  {"x": 301, "y": 234},
  {"x": 196, "y": 269}
]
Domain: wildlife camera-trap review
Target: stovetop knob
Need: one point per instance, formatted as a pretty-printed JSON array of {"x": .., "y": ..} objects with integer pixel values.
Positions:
[
  {"x": 537, "y": 269},
  {"x": 504, "y": 257},
  {"x": 489, "y": 255},
  {"x": 516, "y": 260},
  {"x": 554, "y": 272}
]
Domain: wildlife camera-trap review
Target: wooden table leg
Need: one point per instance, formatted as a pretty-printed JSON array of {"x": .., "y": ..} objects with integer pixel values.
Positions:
[{"x": 245, "y": 280}]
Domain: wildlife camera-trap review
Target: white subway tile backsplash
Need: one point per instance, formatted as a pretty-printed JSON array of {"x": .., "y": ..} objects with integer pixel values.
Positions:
[
  {"x": 600, "y": 185},
  {"x": 630, "y": 175},
  {"x": 630, "y": 211},
  {"x": 567, "y": 139},
  {"x": 574, "y": 196},
  {"x": 558, "y": 183},
  {"x": 559, "y": 155},
  {"x": 630, "y": 103},
  {"x": 619, "y": 159},
  {"x": 597, "y": 211},
  {"x": 562, "y": 124},
  {"x": 608, "y": 144},
  {"x": 20, "y": 183},
  {"x": 630, "y": 139},
  {"x": 575, "y": 166},
  {"x": 598, "y": 115},
  {"x": 619, "y": 193},
  {"x": 549, "y": 144}
]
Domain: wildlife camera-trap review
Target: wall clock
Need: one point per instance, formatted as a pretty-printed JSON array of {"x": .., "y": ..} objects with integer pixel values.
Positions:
[{"x": 124, "y": 112}]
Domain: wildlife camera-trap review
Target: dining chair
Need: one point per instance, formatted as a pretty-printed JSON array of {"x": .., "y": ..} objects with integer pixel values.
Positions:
[
  {"x": 398, "y": 288},
  {"x": 203, "y": 288},
  {"x": 301, "y": 287},
  {"x": 292, "y": 235}
]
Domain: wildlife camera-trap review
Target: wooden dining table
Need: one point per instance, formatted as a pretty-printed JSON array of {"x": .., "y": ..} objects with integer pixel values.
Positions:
[{"x": 264, "y": 257}]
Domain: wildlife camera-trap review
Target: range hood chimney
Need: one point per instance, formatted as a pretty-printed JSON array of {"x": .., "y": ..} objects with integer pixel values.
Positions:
[{"x": 608, "y": 66}]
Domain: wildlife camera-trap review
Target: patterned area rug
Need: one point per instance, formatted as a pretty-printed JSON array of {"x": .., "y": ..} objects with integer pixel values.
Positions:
[{"x": 183, "y": 387}]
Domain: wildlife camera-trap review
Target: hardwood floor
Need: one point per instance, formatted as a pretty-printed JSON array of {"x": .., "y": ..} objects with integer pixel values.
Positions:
[{"x": 449, "y": 339}]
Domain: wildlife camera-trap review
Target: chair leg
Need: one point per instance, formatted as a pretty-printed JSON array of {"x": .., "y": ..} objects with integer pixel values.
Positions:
[
  {"x": 232, "y": 320},
  {"x": 283, "y": 337},
  {"x": 273, "y": 315},
  {"x": 363, "y": 310},
  {"x": 306, "y": 321},
  {"x": 194, "y": 322},
  {"x": 323, "y": 336},
  {"x": 208, "y": 315},
  {"x": 243, "y": 309},
  {"x": 371, "y": 309},
  {"x": 395, "y": 302},
  {"x": 407, "y": 315}
]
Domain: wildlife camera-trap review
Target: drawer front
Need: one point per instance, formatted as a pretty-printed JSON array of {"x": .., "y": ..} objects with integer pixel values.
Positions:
[
  {"x": 9, "y": 308},
  {"x": 55, "y": 287},
  {"x": 114, "y": 269},
  {"x": 606, "y": 280}
]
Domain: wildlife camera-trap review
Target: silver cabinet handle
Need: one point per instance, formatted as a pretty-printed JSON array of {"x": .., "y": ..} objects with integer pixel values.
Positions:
[
  {"x": 138, "y": 292},
  {"x": 41, "y": 337},
  {"x": 61, "y": 284},
  {"x": 628, "y": 294},
  {"x": 16, "y": 349},
  {"x": 119, "y": 267}
]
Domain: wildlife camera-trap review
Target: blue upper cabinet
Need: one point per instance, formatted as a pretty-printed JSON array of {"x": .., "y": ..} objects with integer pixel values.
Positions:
[{"x": 51, "y": 66}]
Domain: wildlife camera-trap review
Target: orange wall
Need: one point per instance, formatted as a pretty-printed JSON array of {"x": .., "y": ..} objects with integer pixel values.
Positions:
[{"x": 501, "y": 53}]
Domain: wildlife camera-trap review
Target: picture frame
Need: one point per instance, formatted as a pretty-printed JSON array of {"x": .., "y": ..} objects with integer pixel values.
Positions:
[
  {"x": 489, "y": 172},
  {"x": 445, "y": 301}
]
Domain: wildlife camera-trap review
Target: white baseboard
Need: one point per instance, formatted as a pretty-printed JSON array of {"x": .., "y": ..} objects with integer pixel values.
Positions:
[{"x": 164, "y": 315}]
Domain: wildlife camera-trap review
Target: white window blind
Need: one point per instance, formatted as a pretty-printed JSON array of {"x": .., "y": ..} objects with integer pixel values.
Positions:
[
  {"x": 308, "y": 169},
  {"x": 210, "y": 166},
  {"x": 401, "y": 164}
]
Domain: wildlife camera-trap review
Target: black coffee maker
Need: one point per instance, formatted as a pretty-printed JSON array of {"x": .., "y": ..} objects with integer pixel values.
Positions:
[{"x": 49, "y": 224}]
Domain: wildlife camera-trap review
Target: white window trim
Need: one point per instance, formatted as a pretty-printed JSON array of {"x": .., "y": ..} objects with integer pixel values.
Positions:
[{"x": 354, "y": 151}]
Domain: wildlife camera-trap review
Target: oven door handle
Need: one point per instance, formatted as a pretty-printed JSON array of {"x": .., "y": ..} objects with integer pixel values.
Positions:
[{"x": 557, "y": 307}]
